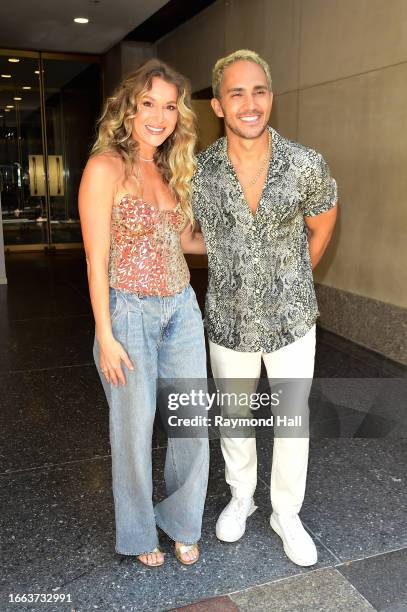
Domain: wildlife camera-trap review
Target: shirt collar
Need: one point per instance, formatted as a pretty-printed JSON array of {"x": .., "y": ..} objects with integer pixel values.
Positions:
[{"x": 276, "y": 158}]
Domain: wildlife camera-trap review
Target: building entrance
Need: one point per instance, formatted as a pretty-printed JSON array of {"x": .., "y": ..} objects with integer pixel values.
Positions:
[{"x": 49, "y": 103}]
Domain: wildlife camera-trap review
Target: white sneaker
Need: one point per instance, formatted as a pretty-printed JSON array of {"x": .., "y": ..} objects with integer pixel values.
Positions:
[
  {"x": 231, "y": 523},
  {"x": 298, "y": 544}
]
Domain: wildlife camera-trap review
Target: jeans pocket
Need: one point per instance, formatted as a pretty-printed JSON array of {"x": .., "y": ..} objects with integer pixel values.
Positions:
[
  {"x": 114, "y": 304},
  {"x": 194, "y": 303}
]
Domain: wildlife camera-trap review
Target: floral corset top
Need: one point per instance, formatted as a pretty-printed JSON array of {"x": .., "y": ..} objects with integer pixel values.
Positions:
[{"x": 145, "y": 249}]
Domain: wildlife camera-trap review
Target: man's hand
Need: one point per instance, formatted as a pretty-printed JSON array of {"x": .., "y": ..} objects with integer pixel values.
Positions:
[{"x": 192, "y": 241}]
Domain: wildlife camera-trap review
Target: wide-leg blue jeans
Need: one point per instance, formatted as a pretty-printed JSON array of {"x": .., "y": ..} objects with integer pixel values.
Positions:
[{"x": 164, "y": 339}]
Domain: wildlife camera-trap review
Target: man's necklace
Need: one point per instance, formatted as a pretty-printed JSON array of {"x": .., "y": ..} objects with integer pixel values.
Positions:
[{"x": 262, "y": 166}]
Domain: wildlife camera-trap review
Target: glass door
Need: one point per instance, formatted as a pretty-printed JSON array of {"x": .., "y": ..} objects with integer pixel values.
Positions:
[
  {"x": 72, "y": 95},
  {"x": 49, "y": 104},
  {"x": 22, "y": 171}
]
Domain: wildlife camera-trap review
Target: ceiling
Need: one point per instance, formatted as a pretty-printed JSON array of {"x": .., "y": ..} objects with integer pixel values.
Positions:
[
  {"x": 169, "y": 17},
  {"x": 47, "y": 25}
]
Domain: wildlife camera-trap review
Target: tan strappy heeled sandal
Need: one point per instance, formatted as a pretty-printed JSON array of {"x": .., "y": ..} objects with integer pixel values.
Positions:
[
  {"x": 157, "y": 564},
  {"x": 181, "y": 549}
]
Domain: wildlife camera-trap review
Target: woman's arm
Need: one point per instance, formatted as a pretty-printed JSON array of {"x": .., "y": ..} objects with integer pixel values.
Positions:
[
  {"x": 96, "y": 196},
  {"x": 192, "y": 241}
]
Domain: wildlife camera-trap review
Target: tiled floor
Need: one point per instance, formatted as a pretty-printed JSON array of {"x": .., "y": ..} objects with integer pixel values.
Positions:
[{"x": 57, "y": 510}]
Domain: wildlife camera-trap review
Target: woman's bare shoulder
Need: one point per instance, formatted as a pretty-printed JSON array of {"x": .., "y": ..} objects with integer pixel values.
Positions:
[{"x": 106, "y": 163}]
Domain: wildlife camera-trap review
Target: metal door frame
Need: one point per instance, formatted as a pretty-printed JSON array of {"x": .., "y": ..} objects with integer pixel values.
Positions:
[{"x": 41, "y": 56}]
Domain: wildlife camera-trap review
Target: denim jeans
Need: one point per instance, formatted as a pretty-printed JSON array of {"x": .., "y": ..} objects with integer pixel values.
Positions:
[{"x": 164, "y": 338}]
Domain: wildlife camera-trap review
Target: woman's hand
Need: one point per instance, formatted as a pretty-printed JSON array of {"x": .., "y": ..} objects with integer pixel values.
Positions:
[{"x": 111, "y": 355}]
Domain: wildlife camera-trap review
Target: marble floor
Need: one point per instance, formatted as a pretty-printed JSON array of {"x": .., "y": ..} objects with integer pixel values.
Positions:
[{"x": 57, "y": 510}]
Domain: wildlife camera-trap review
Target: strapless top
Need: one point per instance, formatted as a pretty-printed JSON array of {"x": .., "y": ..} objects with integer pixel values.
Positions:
[{"x": 145, "y": 249}]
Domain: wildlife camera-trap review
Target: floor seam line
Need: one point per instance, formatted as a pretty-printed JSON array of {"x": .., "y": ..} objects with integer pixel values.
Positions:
[
  {"x": 372, "y": 556},
  {"x": 62, "y": 367},
  {"x": 293, "y": 576},
  {"x": 299, "y": 575},
  {"x": 86, "y": 573},
  {"x": 314, "y": 535},
  {"x": 65, "y": 316},
  {"x": 54, "y": 465},
  {"x": 79, "y": 292},
  {"x": 321, "y": 542},
  {"x": 358, "y": 592}
]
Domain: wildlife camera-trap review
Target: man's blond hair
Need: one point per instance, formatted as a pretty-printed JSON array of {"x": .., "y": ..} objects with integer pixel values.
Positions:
[{"x": 224, "y": 62}]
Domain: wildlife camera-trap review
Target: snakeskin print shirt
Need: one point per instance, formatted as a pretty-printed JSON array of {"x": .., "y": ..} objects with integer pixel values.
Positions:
[
  {"x": 260, "y": 292},
  {"x": 145, "y": 249}
]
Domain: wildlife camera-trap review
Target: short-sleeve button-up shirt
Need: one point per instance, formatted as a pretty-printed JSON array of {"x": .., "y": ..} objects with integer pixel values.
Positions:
[{"x": 260, "y": 291}]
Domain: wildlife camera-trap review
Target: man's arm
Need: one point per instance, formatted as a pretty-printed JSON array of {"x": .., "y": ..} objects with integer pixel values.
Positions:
[{"x": 320, "y": 229}]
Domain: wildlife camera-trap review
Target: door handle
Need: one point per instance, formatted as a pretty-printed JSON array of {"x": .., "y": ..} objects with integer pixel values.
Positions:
[
  {"x": 35, "y": 175},
  {"x": 58, "y": 175}
]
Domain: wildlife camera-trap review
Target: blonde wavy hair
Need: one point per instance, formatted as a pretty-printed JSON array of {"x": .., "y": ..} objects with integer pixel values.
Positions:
[{"x": 175, "y": 157}]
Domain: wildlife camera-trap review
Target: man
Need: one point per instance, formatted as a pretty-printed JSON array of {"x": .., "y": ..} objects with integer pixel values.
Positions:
[{"x": 267, "y": 208}]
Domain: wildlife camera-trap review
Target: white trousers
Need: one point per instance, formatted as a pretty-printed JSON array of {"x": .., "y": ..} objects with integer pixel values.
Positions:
[{"x": 290, "y": 455}]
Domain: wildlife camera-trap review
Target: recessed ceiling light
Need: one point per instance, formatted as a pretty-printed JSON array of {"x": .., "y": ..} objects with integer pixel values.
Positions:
[
  {"x": 14, "y": 60},
  {"x": 9, "y": 106},
  {"x": 17, "y": 98},
  {"x": 81, "y": 20},
  {"x": 6, "y": 76},
  {"x": 26, "y": 87}
]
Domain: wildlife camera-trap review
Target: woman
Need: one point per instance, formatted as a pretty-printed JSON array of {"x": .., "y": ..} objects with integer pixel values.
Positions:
[{"x": 134, "y": 204}]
